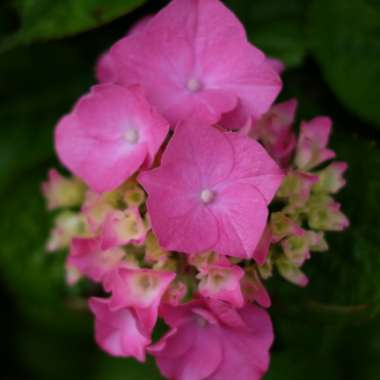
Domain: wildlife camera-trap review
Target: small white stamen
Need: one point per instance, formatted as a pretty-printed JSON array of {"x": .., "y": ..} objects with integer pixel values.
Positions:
[
  {"x": 132, "y": 136},
  {"x": 194, "y": 85},
  {"x": 207, "y": 196}
]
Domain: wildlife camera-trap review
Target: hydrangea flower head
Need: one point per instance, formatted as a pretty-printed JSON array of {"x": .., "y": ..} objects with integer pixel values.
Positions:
[
  {"x": 211, "y": 192},
  {"x": 195, "y": 62},
  {"x": 179, "y": 223},
  {"x": 109, "y": 134}
]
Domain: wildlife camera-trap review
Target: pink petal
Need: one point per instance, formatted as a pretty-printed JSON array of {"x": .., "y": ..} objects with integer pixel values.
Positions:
[
  {"x": 206, "y": 149},
  {"x": 312, "y": 142},
  {"x": 242, "y": 213},
  {"x": 117, "y": 332},
  {"x": 262, "y": 250},
  {"x": 254, "y": 166},
  {"x": 246, "y": 355},
  {"x": 277, "y": 65},
  {"x": 226, "y": 314},
  {"x": 105, "y": 69},
  {"x": 200, "y": 342}
]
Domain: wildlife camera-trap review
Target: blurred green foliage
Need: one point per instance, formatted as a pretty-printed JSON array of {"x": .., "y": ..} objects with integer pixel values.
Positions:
[
  {"x": 345, "y": 38},
  {"x": 331, "y": 329},
  {"x": 40, "y": 20},
  {"x": 277, "y": 27}
]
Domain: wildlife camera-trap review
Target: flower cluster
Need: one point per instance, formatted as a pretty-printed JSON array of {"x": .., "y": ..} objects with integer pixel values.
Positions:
[{"x": 188, "y": 187}]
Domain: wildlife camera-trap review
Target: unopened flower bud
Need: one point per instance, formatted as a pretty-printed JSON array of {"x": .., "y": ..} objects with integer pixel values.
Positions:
[{"x": 62, "y": 192}]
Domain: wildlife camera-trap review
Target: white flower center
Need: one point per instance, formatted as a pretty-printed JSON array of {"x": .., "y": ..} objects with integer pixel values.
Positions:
[
  {"x": 194, "y": 85},
  {"x": 132, "y": 136},
  {"x": 207, "y": 196}
]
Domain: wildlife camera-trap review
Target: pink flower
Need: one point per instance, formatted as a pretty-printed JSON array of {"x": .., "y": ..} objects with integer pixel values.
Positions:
[
  {"x": 87, "y": 256},
  {"x": 195, "y": 62},
  {"x": 211, "y": 192},
  {"x": 118, "y": 332},
  {"x": 214, "y": 342},
  {"x": 222, "y": 283},
  {"x": 312, "y": 143},
  {"x": 123, "y": 227},
  {"x": 109, "y": 134},
  {"x": 274, "y": 130},
  {"x": 139, "y": 289}
]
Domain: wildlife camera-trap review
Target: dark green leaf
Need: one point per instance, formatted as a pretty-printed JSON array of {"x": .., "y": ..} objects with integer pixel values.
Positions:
[
  {"x": 48, "y": 80},
  {"x": 42, "y": 20},
  {"x": 276, "y": 27},
  {"x": 345, "y": 39}
]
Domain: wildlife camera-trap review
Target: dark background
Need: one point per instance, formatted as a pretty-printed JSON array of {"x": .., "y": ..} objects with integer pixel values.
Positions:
[{"x": 331, "y": 48}]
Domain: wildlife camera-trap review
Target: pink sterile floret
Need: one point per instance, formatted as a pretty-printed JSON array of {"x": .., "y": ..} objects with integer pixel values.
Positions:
[
  {"x": 195, "y": 62},
  {"x": 123, "y": 227},
  {"x": 235, "y": 342},
  {"x": 222, "y": 283},
  {"x": 274, "y": 129},
  {"x": 109, "y": 134},
  {"x": 118, "y": 332},
  {"x": 139, "y": 289},
  {"x": 87, "y": 256},
  {"x": 211, "y": 192},
  {"x": 312, "y": 143}
]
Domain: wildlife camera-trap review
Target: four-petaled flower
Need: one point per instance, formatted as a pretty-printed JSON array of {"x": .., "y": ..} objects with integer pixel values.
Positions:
[
  {"x": 235, "y": 342},
  {"x": 211, "y": 192},
  {"x": 109, "y": 134},
  {"x": 195, "y": 62}
]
